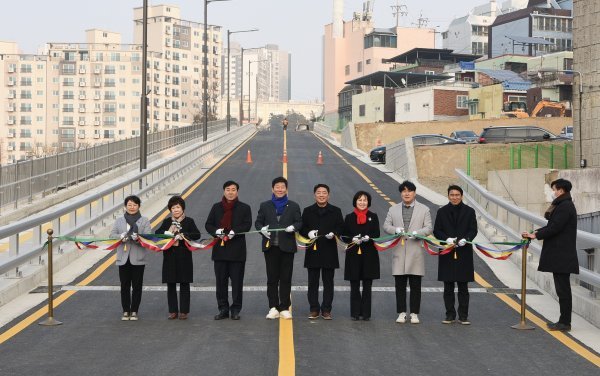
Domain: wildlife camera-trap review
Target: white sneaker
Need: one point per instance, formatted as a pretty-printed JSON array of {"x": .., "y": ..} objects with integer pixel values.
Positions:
[
  {"x": 273, "y": 314},
  {"x": 287, "y": 315},
  {"x": 133, "y": 317},
  {"x": 414, "y": 318},
  {"x": 401, "y": 318},
  {"x": 125, "y": 316}
]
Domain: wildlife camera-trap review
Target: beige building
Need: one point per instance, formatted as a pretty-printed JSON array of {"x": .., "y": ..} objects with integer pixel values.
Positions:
[
  {"x": 73, "y": 95},
  {"x": 352, "y": 49}
]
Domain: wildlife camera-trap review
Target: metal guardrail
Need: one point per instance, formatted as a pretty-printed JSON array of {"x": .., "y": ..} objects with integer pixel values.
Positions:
[
  {"x": 512, "y": 220},
  {"x": 22, "y": 180},
  {"x": 84, "y": 213}
]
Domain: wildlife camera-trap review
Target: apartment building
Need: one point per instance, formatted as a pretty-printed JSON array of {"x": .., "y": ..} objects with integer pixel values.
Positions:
[{"x": 72, "y": 95}]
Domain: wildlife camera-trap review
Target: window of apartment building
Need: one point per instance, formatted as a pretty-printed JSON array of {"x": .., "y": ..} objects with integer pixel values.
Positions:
[
  {"x": 109, "y": 133},
  {"x": 99, "y": 56},
  {"x": 109, "y": 69},
  {"x": 68, "y": 81},
  {"x": 25, "y": 146},
  {"x": 380, "y": 40},
  {"x": 474, "y": 107},
  {"x": 40, "y": 66},
  {"x": 25, "y": 133},
  {"x": 25, "y": 120},
  {"x": 67, "y": 133},
  {"x": 347, "y": 70},
  {"x": 39, "y": 119},
  {"x": 479, "y": 48},
  {"x": 406, "y": 107},
  {"x": 109, "y": 95},
  {"x": 67, "y": 120},
  {"x": 68, "y": 69},
  {"x": 110, "y": 120},
  {"x": 121, "y": 119},
  {"x": 122, "y": 106},
  {"x": 445, "y": 35},
  {"x": 359, "y": 66},
  {"x": 39, "y": 131},
  {"x": 115, "y": 56},
  {"x": 25, "y": 68},
  {"x": 25, "y": 107},
  {"x": 462, "y": 101},
  {"x": 121, "y": 93},
  {"x": 25, "y": 81},
  {"x": 479, "y": 30},
  {"x": 39, "y": 80},
  {"x": 110, "y": 107},
  {"x": 25, "y": 94},
  {"x": 517, "y": 98},
  {"x": 68, "y": 94}
]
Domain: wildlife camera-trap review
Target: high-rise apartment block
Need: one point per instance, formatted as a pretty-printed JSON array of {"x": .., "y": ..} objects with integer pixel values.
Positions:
[{"x": 72, "y": 95}]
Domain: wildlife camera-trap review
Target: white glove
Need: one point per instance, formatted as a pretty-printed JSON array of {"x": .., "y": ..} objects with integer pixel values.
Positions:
[
  {"x": 399, "y": 230},
  {"x": 134, "y": 236},
  {"x": 412, "y": 235},
  {"x": 220, "y": 233},
  {"x": 178, "y": 237},
  {"x": 365, "y": 238},
  {"x": 169, "y": 233},
  {"x": 290, "y": 228},
  {"x": 450, "y": 241},
  {"x": 312, "y": 234},
  {"x": 231, "y": 234},
  {"x": 330, "y": 235},
  {"x": 124, "y": 237},
  {"x": 357, "y": 239},
  {"x": 265, "y": 232},
  {"x": 462, "y": 242}
]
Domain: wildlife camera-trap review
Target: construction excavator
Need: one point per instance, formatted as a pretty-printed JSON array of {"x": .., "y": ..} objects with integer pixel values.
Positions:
[{"x": 549, "y": 104}]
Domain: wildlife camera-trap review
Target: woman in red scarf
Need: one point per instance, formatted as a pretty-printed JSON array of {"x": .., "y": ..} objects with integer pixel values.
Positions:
[{"x": 362, "y": 259}]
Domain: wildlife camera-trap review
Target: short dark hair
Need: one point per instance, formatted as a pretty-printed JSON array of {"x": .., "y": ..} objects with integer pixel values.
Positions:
[
  {"x": 455, "y": 187},
  {"x": 279, "y": 179},
  {"x": 320, "y": 185},
  {"x": 136, "y": 200},
  {"x": 407, "y": 185},
  {"x": 563, "y": 184},
  {"x": 358, "y": 195},
  {"x": 231, "y": 182},
  {"x": 176, "y": 200}
]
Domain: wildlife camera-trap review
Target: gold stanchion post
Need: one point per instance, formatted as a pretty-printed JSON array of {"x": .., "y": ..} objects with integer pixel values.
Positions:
[
  {"x": 50, "y": 321},
  {"x": 522, "y": 325}
]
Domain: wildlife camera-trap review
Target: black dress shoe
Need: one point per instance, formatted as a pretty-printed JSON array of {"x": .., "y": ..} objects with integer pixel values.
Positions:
[
  {"x": 366, "y": 318},
  {"x": 222, "y": 315},
  {"x": 235, "y": 316},
  {"x": 355, "y": 318},
  {"x": 559, "y": 326}
]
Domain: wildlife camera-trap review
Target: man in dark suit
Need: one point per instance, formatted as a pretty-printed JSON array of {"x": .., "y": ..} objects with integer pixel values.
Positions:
[
  {"x": 321, "y": 221},
  {"x": 559, "y": 252},
  {"x": 279, "y": 249},
  {"x": 456, "y": 221},
  {"x": 226, "y": 220}
]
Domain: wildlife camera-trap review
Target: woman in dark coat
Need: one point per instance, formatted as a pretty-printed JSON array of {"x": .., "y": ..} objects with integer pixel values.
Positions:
[
  {"x": 559, "y": 252},
  {"x": 456, "y": 223},
  {"x": 362, "y": 258},
  {"x": 177, "y": 260}
]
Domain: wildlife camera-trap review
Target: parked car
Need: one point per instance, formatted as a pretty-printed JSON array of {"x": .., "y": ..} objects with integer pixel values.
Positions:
[
  {"x": 434, "y": 139},
  {"x": 567, "y": 132},
  {"x": 516, "y": 134},
  {"x": 466, "y": 136},
  {"x": 378, "y": 154}
]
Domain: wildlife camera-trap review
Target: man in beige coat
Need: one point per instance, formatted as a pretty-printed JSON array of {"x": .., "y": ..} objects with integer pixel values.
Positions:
[{"x": 408, "y": 262}]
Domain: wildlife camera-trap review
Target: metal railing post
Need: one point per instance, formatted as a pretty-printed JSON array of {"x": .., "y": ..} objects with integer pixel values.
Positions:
[
  {"x": 50, "y": 321},
  {"x": 522, "y": 325}
]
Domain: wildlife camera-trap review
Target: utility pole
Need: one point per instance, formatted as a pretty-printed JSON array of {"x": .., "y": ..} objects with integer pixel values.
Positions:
[{"x": 399, "y": 10}]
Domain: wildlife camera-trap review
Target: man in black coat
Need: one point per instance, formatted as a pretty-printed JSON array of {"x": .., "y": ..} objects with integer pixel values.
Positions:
[
  {"x": 226, "y": 220},
  {"x": 279, "y": 248},
  {"x": 321, "y": 221},
  {"x": 559, "y": 253},
  {"x": 456, "y": 221}
]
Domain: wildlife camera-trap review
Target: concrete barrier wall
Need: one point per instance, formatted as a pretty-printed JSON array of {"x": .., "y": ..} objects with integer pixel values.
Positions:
[
  {"x": 400, "y": 158},
  {"x": 348, "y": 139},
  {"x": 367, "y": 134}
]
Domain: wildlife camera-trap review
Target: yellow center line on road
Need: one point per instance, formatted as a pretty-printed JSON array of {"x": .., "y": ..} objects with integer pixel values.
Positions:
[
  {"x": 287, "y": 357},
  {"x": 562, "y": 337},
  {"x": 35, "y": 316}
]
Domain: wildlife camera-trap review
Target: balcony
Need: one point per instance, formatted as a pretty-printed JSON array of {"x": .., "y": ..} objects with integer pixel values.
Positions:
[
  {"x": 68, "y": 83},
  {"x": 10, "y": 148},
  {"x": 10, "y": 122},
  {"x": 96, "y": 123},
  {"x": 82, "y": 96},
  {"x": 68, "y": 96},
  {"x": 81, "y": 83},
  {"x": 81, "y": 135},
  {"x": 97, "y": 71},
  {"x": 82, "y": 70},
  {"x": 81, "y": 109},
  {"x": 11, "y": 95},
  {"x": 81, "y": 122},
  {"x": 11, "y": 83},
  {"x": 96, "y": 97},
  {"x": 11, "y": 69},
  {"x": 11, "y": 135},
  {"x": 97, "y": 135}
]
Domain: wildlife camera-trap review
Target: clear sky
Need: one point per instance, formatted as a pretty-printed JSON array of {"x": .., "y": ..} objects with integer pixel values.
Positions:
[{"x": 295, "y": 25}]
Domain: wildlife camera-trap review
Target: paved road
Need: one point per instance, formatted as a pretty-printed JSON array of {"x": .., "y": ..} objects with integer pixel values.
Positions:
[{"x": 93, "y": 341}]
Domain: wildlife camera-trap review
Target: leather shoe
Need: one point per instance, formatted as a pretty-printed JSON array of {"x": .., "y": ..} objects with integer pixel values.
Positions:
[
  {"x": 172, "y": 316},
  {"x": 559, "y": 326},
  {"x": 222, "y": 315},
  {"x": 326, "y": 315},
  {"x": 235, "y": 316},
  {"x": 183, "y": 316},
  {"x": 355, "y": 318},
  {"x": 313, "y": 315},
  {"x": 366, "y": 319}
]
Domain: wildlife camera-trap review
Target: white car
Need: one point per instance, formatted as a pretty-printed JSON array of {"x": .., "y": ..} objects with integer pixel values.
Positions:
[{"x": 567, "y": 132}]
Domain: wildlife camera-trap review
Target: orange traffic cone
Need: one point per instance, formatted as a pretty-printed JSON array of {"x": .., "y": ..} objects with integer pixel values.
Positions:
[
  {"x": 320, "y": 158},
  {"x": 285, "y": 159},
  {"x": 249, "y": 157}
]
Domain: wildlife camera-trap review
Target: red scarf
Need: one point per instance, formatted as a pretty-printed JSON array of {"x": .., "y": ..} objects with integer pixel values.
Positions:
[
  {"x": 228, "y": 213},
  {"x": 361, "y": 216}
]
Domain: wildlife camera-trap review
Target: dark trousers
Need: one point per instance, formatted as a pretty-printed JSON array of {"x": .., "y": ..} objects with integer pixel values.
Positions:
[
  {"x": 313, "y": 289},
  {"x": 415, "y": 292},
  {"x": 463, "y": 300},
  {"x": 224, "y": 271},
  {"x": 280, "y": 266},
  {"x": 562, "y": 284},
  {"x": 184, "y": 298},
  {"x": 132, "y": 277},
  {"x": 360, "y": 304}
]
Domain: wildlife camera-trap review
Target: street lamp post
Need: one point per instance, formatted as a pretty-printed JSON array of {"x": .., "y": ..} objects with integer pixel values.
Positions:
[
  {"x": 229, "y": 74},
  {"x": 205, "y": 69},
  {"x": 241, "y": 109},
  {"x": 256, "y": 87},
  {"x": 582, "y": 161},
  {"x": 144, "y": 99}
]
